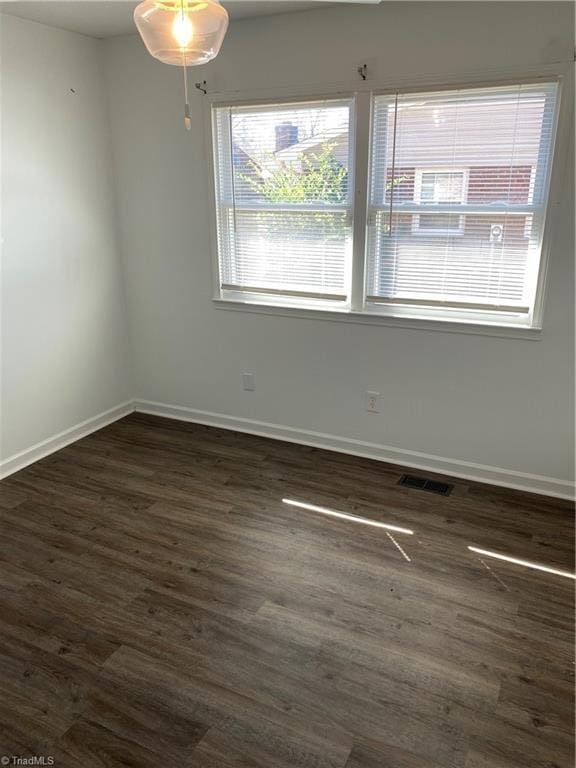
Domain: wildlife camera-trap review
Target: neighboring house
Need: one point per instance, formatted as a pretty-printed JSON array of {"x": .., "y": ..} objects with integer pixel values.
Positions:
[
  {"x": 248, "y": 171},
  {"x": 425, "y": 173},
  {"x": 468, "y": 184},
  {"x": 337, "y": 138}
]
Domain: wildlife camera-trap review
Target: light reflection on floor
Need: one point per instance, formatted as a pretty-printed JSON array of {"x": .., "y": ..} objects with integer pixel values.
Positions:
[
  {"x": 494, "y": 574},
  {"x": 344, "y": 516},
  {"x": 393, "y": 540},
  {"x": 398, "y": 529},
  {"x": 525, "y": 563}
]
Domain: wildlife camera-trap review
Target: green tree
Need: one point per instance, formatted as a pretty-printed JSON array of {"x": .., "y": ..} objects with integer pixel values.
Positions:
[{"x": 319, "y": 178}]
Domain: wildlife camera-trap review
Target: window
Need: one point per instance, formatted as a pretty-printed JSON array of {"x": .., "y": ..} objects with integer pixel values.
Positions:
[
  {"x": 284, "y": 201},
  {"x": 450, "y": 225},
  {"x": 440, "y": 186},
  {"x": 469, "y": 238}
]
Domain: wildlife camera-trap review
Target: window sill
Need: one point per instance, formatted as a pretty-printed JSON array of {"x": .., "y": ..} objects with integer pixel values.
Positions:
[{"x": 388, "y": 319}]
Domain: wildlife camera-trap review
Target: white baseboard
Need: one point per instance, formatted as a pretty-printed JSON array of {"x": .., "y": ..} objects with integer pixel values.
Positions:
[
  {"x": 547, "y": 486},
  {"x": 46, "y": 447},
  {"x": 482, "y": 473}
]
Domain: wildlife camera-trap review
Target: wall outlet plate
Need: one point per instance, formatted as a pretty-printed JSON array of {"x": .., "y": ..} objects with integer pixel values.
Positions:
[
  {"x": 373, "y": 400},
  {"x": 248, "y": 382}
]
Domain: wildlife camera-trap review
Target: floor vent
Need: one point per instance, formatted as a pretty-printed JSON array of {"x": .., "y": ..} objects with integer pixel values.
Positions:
[{"x": 423, "y": 484}]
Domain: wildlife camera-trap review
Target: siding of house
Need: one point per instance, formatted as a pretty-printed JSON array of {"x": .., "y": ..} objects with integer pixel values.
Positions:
[
  {"x": 489, "y": 184},
  {"x": 486, "y": 184}
]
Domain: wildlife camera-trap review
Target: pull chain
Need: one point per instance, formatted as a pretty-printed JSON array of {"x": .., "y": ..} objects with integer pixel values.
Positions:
[{"x": 187, "y": 118}]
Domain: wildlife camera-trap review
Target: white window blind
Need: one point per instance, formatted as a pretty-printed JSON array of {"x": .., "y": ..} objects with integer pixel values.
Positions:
[
  {"x": 458, "y": 192},
  {"x": 283, "y": 199}
]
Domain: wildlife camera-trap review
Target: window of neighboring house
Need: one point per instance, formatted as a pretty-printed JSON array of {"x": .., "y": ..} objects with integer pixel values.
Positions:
[
  {"x": 284, "y": 202},
  {"x": 451, "y": 224},
  {"x": 434, "y": 186}
]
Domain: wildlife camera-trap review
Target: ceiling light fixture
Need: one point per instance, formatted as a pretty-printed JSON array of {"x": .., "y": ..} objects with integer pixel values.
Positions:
[
  {"x": 184, "y": 33},
  {"x": 190, "y": 32}
]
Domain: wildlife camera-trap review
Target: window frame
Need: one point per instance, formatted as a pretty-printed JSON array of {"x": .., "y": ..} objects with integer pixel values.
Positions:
[
  {"x": 279, "y": 297},
  {"x": 358, "y": 310}
]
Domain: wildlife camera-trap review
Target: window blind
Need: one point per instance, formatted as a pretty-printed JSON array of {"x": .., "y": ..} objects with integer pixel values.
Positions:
[
  {"x": 458, "y": 191},
  {"x": 283, "y": 199}
]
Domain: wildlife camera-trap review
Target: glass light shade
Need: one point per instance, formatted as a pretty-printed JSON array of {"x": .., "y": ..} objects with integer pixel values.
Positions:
[{"x": 182, "y": 32}]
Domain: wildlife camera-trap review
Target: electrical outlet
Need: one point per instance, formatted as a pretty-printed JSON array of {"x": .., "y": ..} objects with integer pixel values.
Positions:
[
  {"x": 248, "y": 382},
  {"x": 373, "y": 402}
]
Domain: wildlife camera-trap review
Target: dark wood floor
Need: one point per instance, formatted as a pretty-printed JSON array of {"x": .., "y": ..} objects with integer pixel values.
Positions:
[{"x": 162, "y": 606}]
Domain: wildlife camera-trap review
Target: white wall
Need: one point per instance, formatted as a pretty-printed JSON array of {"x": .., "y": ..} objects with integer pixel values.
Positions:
[
  {"x": 500, "y": 402},
  {"x": 64, "y": 341}
]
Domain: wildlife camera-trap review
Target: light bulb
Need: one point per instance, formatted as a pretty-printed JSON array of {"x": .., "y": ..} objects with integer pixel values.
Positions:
[
  {"x": 182, "y": 29},
  {"x": 173, "y": 29}
]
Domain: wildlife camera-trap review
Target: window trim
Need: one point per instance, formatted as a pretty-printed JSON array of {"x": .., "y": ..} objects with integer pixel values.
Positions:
[
  {"x": 338, "y": 314},
  {"x": 358, "y": 311}
]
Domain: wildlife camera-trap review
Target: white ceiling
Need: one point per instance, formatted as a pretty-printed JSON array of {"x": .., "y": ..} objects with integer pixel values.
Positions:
[{"x": 106, "y": 18}]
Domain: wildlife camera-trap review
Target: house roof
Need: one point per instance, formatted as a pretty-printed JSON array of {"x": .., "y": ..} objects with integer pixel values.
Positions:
[{"x": 295, "y": 150}]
